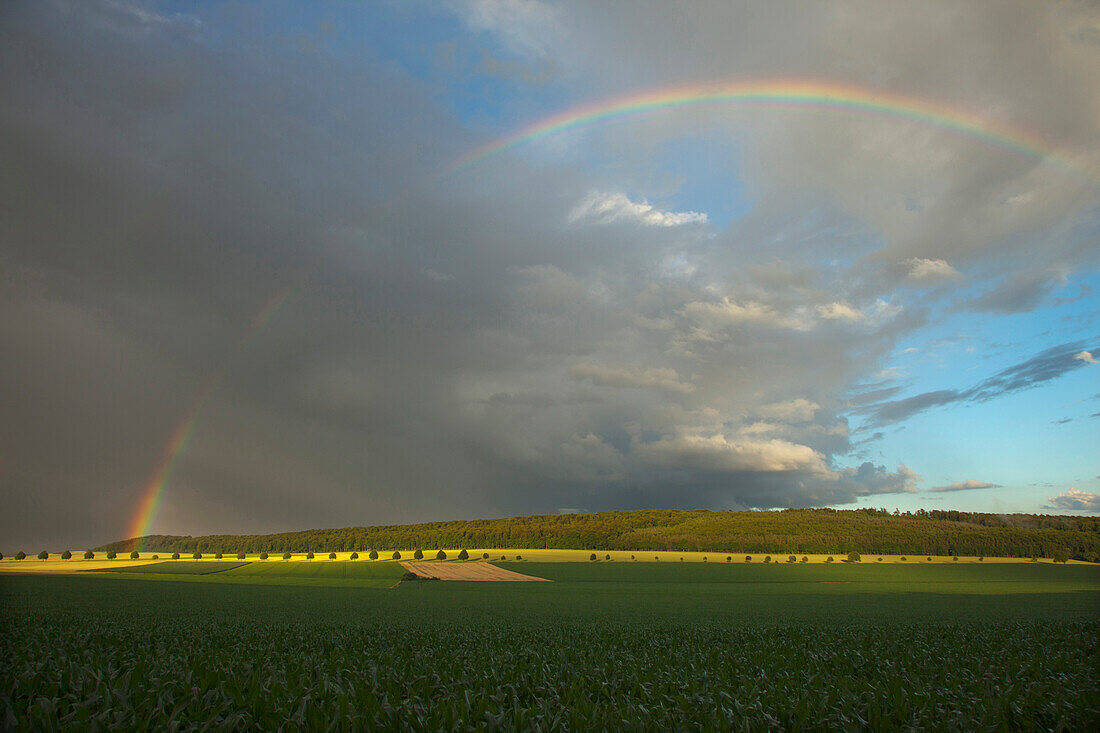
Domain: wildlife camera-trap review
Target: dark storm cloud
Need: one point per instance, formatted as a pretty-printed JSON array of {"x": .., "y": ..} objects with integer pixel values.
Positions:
[{"x": 522, "y": 336}]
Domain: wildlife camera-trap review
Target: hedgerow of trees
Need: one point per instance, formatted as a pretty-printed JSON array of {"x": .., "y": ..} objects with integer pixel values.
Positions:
[{"x": 802, "y": 531}]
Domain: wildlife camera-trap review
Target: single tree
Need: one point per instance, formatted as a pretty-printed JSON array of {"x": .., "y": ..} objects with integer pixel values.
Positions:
[
  {"x": 309, "y": 555},
  {"x": 355, "y": 556},
  {"x": 463, "y": 555},
  {"x": 592, "y": 557},
  {"x": 955, "y": 558},
  {"x": 441, "y": 555},
  {"x": 853, "y": 556},
  {"x": 43, "y": 555},
  {"x": 112, "y": 555},
  {"x": 20, "y": 555},
  {"x": 829, "y": 558},
  {"x": 66, "y": 555},
  {"x": 519, "y": 557},
  {"x": 1, "y": 556},
  {"x": 607, "y": 556},
  {"x": 704, "y": 558},
  {"x": 332, "y": 556},
  {"x": 681, "y": 558},
  {"x": 729, "y": 558},
  {"x": 929, "y": 558},
  {"x": 418, "y": 554},
  {"x": 1035, "y": 558},
  {"x": 1061, "y": 554},
  {"x": 632, "y": 558},
  {"x": 981, "y": 559},
  {"x": 767, "y": 558},
  {"x": 373, "y": 554},
  {"x": 134, "y": 555},
  {"x": 485, "y": 556},
  {"x": 217, "y": 556},
  {"x": 89, "y": 555},
  {"x": 156, "y": 557},
  {"x": 792, "y": 558},
  {"x": 880, "y": 559},
  {"x": 263, "y": 555},
  {"x": 748, "y": 558},
  {"x": 903, "y": 558},
  {"x": 396, "y": 555},
  {"x": 805, "y": 559},
  {"x": 286, "y": 555},
  {"x": 175, "y": 555},
  {"x": 240, "y": 556},
  {"x": 197, "y": 556}
]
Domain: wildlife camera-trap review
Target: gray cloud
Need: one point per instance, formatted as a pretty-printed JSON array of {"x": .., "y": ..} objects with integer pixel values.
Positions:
[{"x": 1043, "y": 367}]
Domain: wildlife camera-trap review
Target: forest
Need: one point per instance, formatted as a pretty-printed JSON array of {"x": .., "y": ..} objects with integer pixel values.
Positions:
[{"x": 790, "y": 530}]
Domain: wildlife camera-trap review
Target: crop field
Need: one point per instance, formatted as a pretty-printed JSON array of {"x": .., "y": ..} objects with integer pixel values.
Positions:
[
  {"x": 176, "y": 567},
  {"x": 604, "y": 646}
]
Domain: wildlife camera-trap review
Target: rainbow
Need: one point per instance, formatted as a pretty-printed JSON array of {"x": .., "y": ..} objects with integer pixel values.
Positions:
[
  {"x": 153, "y": 491},
  {"x": 781, "y": 94}
]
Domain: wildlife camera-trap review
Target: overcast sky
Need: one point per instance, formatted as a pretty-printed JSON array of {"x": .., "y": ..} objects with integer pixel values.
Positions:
[{"x": 248, "y": 214}]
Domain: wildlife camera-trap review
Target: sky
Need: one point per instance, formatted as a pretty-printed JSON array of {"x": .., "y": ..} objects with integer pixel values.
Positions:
[{"x": 271, "y": 266}]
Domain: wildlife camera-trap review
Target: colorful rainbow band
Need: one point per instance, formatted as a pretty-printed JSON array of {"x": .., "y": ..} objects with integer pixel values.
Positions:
[{"x": 782, "y": 94}]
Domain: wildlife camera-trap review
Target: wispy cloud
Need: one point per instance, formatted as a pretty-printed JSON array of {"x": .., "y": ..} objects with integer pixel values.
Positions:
[{"x": 969, "y": 485}]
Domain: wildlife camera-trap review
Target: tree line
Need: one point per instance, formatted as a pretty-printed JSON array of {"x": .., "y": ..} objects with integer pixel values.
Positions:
[{"x": 787, "y": 531}]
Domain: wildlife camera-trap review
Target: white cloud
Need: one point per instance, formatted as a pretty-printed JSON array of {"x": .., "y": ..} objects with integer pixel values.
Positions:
[
  {"x": 666, "y": 379},
  {"x": 716, "y": 452},
  {"x": 968, "y": 485},
  {"x": 606, "y": 208},
  {"x": 792, "y": 411},
  {"x": 1075, "y": 500},
  {"x": 930, "y": 270},
  {"x": 839, "y": 311},
  {"x": 1085, "y": 356},
  {"x": 728, "y": 313}
]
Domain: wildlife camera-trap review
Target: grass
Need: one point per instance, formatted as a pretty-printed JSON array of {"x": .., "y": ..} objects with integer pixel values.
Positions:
[
  {"x": 601, "y": 648},
  {"x": 176, "y": 567}
]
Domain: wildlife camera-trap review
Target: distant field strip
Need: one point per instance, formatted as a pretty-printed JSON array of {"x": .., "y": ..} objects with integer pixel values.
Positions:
[
  {"x": 467, "y": 571},
  {"x": 176, "y": 567}
]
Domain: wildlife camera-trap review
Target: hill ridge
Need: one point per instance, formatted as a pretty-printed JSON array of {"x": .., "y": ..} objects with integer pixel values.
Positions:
[{"x": 937, "y": 532}]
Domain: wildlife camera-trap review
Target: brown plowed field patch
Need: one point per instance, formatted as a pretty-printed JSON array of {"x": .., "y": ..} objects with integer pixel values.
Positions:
[{"x": 466, "y": 571}]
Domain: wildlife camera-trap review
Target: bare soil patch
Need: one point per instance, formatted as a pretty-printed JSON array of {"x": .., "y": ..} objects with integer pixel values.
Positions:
[{"x": 482, "y": 571}]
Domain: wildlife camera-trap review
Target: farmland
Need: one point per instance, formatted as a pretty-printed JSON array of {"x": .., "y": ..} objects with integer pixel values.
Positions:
[{"x": 609, "y": 644}]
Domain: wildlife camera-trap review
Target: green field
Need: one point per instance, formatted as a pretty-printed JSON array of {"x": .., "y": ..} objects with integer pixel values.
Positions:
[
  {"x": 176, "y": 567},
  {"x": 607, "y": 645},
  {"x": 322, "y": 573}
]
